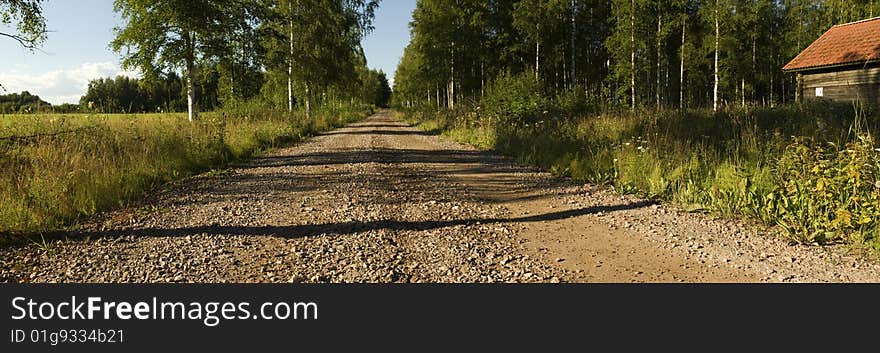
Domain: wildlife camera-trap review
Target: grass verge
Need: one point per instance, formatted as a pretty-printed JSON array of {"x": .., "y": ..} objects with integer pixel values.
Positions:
[{"x": 57, "y": 169}]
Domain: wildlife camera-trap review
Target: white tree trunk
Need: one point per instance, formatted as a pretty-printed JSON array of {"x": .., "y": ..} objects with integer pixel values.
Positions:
[
  {"x": 482, "y": 79},
  {"x": 451, "y": 90},
  {"x": 632, "y": 53},
  {"x": 772, "y": 104},
  {"x": 681, "y": 72},
  {"x": 537, "y": 60},
  {"x": 308, "y": 102},
  {"x": 717, "y": 40},
  {"x": 191, "y": 106},
  {"x": 290, "y": 72}
]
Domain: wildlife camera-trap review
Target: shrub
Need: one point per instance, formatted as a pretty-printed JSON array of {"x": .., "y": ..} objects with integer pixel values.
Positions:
[
  {"x": 828, "y": 192},
  {"x": 516, "y": 100}
]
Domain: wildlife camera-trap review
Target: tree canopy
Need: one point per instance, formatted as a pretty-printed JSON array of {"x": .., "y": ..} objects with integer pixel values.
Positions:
[{"x": 27, "y": 18}]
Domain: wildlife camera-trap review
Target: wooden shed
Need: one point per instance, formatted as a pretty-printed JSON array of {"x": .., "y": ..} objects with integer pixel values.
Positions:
[{"x": 842, "y": 65}]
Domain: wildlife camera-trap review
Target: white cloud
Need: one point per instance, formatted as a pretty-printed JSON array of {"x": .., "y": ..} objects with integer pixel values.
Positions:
[{"x": 63, "y": 85}]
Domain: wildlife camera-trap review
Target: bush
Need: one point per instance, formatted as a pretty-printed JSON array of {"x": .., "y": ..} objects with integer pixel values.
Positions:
[
  {"x": 829, "y": 193},
  {"x": 516, "y": 100}
]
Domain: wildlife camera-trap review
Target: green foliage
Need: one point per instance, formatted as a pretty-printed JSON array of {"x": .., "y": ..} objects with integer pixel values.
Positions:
[
  {"x": 829, "y": 192},
  {"x": 24, "y": 102},
  {"x": 27, "y": 17},
  {"x": 516, "y": 99}
]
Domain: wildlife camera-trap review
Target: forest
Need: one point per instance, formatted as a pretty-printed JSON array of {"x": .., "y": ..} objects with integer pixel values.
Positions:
[
  {"x": 677, "y": 101},
  {"x": 637, "y": 53}
]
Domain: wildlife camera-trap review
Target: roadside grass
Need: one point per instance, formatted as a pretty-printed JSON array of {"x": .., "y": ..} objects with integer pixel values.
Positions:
[
  {"x": 56, "y": 169},
  {"x": 811, "y": 169}
]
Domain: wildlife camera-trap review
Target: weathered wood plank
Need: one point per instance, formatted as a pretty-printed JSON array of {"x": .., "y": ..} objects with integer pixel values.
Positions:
[{"x": 848, "y": 85}]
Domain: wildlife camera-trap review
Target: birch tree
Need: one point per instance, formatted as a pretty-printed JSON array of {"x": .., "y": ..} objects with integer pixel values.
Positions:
[
  {"x": 317, "y": 42},
  {"x": 529, "y": 17},
  {"x": 170, "y": 34}
]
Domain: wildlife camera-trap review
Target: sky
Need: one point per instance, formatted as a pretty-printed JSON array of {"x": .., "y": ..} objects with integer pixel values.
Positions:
[{"x": 77, "y": 49}]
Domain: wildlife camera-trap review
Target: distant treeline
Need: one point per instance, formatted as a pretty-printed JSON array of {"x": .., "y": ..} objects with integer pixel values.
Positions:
[
  {"x": 24, "y": 102},
  {"x": 131, "y": 95},
  {"x": 166, "y": 94}
]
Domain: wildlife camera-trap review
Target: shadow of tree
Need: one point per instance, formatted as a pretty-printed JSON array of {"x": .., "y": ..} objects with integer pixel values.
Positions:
[{"x": 344, "y": 228}]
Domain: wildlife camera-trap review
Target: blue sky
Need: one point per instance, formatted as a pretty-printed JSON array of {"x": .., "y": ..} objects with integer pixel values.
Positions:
[{"x": 77, "y": 48}]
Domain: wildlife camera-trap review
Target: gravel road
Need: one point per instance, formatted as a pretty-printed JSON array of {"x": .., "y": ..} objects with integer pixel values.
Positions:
[{"x": 380, "y": 201}]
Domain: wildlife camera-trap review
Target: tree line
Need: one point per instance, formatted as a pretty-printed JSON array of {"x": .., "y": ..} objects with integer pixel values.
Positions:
[
  {"x": 279, "y": 49},
  {"x": 636, "y": 53}
]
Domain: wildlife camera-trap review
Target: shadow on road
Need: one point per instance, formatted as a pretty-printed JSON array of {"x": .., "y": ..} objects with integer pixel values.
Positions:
[
  {"x": 376, "y": 155},
  {"x": 302, "y": 231},
  {"x": 378, "y": 133}
]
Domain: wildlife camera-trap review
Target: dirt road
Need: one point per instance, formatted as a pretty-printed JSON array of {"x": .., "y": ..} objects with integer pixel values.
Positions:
[{"x": 380, "y": 201}]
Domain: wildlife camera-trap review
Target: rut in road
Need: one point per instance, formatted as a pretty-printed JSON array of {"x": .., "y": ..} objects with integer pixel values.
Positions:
[{"x": 380, "y": 201}]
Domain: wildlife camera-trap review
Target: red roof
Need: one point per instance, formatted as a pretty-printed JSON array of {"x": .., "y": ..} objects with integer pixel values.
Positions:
[{"x": 850, "y": 43}]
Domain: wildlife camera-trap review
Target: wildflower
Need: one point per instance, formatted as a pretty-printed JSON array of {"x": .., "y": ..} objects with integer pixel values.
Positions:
[{"x": 877, "y": 184}]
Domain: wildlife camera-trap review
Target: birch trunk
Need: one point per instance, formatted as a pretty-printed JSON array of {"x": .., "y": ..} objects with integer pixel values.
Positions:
[
  {"x": 308, "y": 102},
  {"x": 482, "y": 79},
  {"x": 537, "y": 60},
  {"x": 451, "y": 89},
  {"x": 191, "y": 106},
  {"x": 771, "y": 90},
  {"x": 632, "y": 52},
  {"x": 290, "y": 72},
  {"x": 681, "y": 87},
  {"x": 717, "y": 40}
]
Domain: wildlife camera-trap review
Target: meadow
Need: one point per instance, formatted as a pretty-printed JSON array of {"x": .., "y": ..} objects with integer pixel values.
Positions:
[
  {"x": 811, "y": 169},
  {"x": 57, "y": 169}
]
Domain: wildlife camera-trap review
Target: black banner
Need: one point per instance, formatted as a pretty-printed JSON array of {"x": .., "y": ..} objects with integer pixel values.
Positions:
[{"x": 221, "y": 318}]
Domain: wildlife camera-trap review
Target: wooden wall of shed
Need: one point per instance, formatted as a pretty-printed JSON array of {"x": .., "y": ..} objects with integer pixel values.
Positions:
[{"x": 861, "y": 84}]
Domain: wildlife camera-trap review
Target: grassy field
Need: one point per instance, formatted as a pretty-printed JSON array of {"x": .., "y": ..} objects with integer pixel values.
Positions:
[
  {"x": 55, "y": 169},
  {"x": 811, "y": 169}
]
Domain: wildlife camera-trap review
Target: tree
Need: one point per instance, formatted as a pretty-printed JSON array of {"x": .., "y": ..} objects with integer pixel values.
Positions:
[
  {"x": 173, "y": 34},
  {"x": 27, "y": 17},
  {"x": 317, "y": 42}
]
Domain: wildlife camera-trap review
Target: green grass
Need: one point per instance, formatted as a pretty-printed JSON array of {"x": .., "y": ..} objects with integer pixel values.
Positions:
[
  {"x": 56, "y": 169},
  {"x": 764, "y": 163}
]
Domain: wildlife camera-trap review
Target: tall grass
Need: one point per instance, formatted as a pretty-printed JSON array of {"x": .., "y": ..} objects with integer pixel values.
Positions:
[
  {"x": 55, "y": 169},
  {"x": 810, "y": 168}
]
